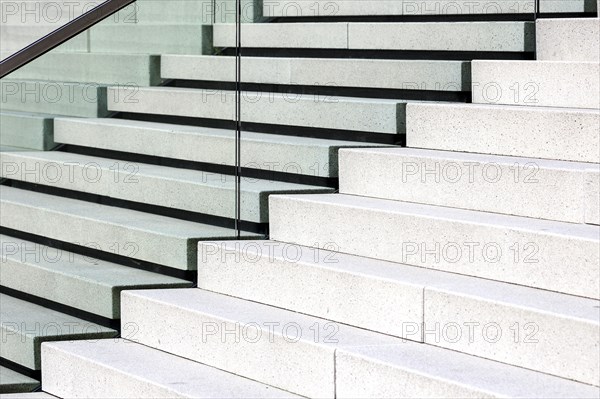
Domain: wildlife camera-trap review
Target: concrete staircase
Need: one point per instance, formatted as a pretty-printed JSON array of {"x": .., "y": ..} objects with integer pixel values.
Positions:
[{"x": 400, "y": 285}]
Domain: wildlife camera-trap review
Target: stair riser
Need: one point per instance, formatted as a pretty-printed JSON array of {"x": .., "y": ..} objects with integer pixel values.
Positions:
[
  {"x": 495, "y": 252},
  {"x": 568, "y": 39},
  {"x": 26, "y": 131},
  {"x": 514, "y": 186}
]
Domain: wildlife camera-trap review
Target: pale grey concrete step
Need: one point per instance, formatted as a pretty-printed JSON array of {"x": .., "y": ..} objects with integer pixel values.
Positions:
[
  {"x": 11, "y": 381},
  {"x": 531, "y": 187},
  {"x": 28, "y": 395},
  {"x": 376, "y": 372},
  {"x": 284, "y": 349},
  {"x": 571, "y": 39},
  {"x": 197, "y": 191},
  {"x": 26, "y": 325},
  {"x": 326, "y": 8},
  {"x": 536, "y": 132},
  {"x": 58, "y": 98},
  {"x": 16, "y": 37},
  {"x": 381, "y": 296},
  {"x": 26, "y": 130},
  {"x": 4, "y": 148},
  {"x": 382, "y": 74},
  {"x": 556, "y": 256},
  {"x": 289, "y": 154},
  {"x": 592, "y": 207},
  {"x": 100, "y": 68},
  {"x": 151, "y": 38},
  {"x": 158, "y": 239},
  {"x": 439, "y": 36},
  {"x": 509, "y": 324},
  {"x": 537, "y": 83},
  {"x": 125, "y": 369},
  {"x": 78, "y": 281},
  {"x": 344, "y": 113},
  {"x": 300, "y": 353}
]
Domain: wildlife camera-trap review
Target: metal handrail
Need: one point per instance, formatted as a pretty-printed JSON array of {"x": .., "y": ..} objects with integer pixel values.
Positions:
[{"x": 61, "y": 35}]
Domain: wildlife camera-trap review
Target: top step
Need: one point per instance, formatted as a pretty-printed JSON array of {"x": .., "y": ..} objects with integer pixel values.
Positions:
[
  {"x": 415, "y": 36},
  {"x": 327, "y": 8}
]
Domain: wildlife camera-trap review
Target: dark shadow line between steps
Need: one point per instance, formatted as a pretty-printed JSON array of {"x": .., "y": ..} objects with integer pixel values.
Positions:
[
  {"x": 9, "y": 364},
  {"x": 282, "y": 130},
  {"x": 189, "y": 275},
  {"x": 514, "y": 17},
  {"x": 201, "y": 166},
  {"x": 335, "y": 91},
  {"x": 189, "y": 216},
  {"x": 382, "y": 54}
]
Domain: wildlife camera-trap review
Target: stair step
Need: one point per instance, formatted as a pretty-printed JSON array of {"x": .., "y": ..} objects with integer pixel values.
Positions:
[
  {"x": 17, "y": 37},
  {"x": 315, "y": 111},
  {"x": 148, "y": 237},
  {"x": 197, "y": 191},
  {"x": 325, "y": 8},
  {"x": 364, "y": 73},
  {"x": 29, "y": 395},
  {"x": 238, "y": 335},
  {"x": 537, "y": 83},
  {"x": 424, "y": 36},
  {"x": 570, "y": 39},
  {"x": 341, "y": 287},
  {"x": 13, "y": 382},
  {"x": 26, "y": 130},
  {"x": 551, "y": 133},
  {"x": 151, "y": 38},
  {"x": 26, "y": 325},
  {"x": 100, "y": 68},
  {"x": 432, "y": 372},
  {"x": 557, "y": 256},
  {"x": 289, "y": 154},
  {"x": 78, "y": 281},
  {"x": 512, "y": 325},
  {"x": 58, "y": 98},
  {"x": 125, "y": 369},
  {"x": 508, "y": 185}
]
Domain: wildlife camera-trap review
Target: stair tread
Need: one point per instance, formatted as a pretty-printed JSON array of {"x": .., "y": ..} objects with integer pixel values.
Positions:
[
  {"x": 78, "y": 281},
  {"x": 370, "y": 73},
  {"x": 143, "y": 366},
  {"x": 11, "y": 381},
  {"x": 416, "y": 357},
  {"x": 26, "y": 325}
]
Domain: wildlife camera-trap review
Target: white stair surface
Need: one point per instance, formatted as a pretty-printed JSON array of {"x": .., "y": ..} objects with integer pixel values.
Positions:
[
  {"x": 100, "y": 68},
  {"x": 438, "y": 36},
  {"x": 279, "y": 347},
  {"x": 517, "y": 325},
  {"x": 158, "y": 239},
  {"x": 571, "y": 39},
  {"x": 81, "y": 282},
  {"x": 531, "y": 187},
  {"x": 537, "y": 83},
  {"x": 11, "y": 381},
  {"x": 556, "y": 256},
  {"x": 326, "y": 8},
  {"x": 377, "y": 295},
  {"x": 28, "y": 395},
  {"x": 421, "y": 371},
  {"x": 369, "y": 73},
  {"x": 521, "y": 131},
  {"x": 308, "y": 110},
  {"x": 289, "y": 154},
  {"x": 197, "y": 191},
  {"x": 26, "y": 325},
  {"x": 26, "y": 130},
  {"x": 51, "y": 97},
  {"x": 152, "y": 38},
  {"x": 125, "y": 369}
]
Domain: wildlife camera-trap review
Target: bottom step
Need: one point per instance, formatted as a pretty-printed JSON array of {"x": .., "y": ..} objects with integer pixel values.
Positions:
[
  {"x": 116, "y": 368},
  {"x": 11, "y": 382}
]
